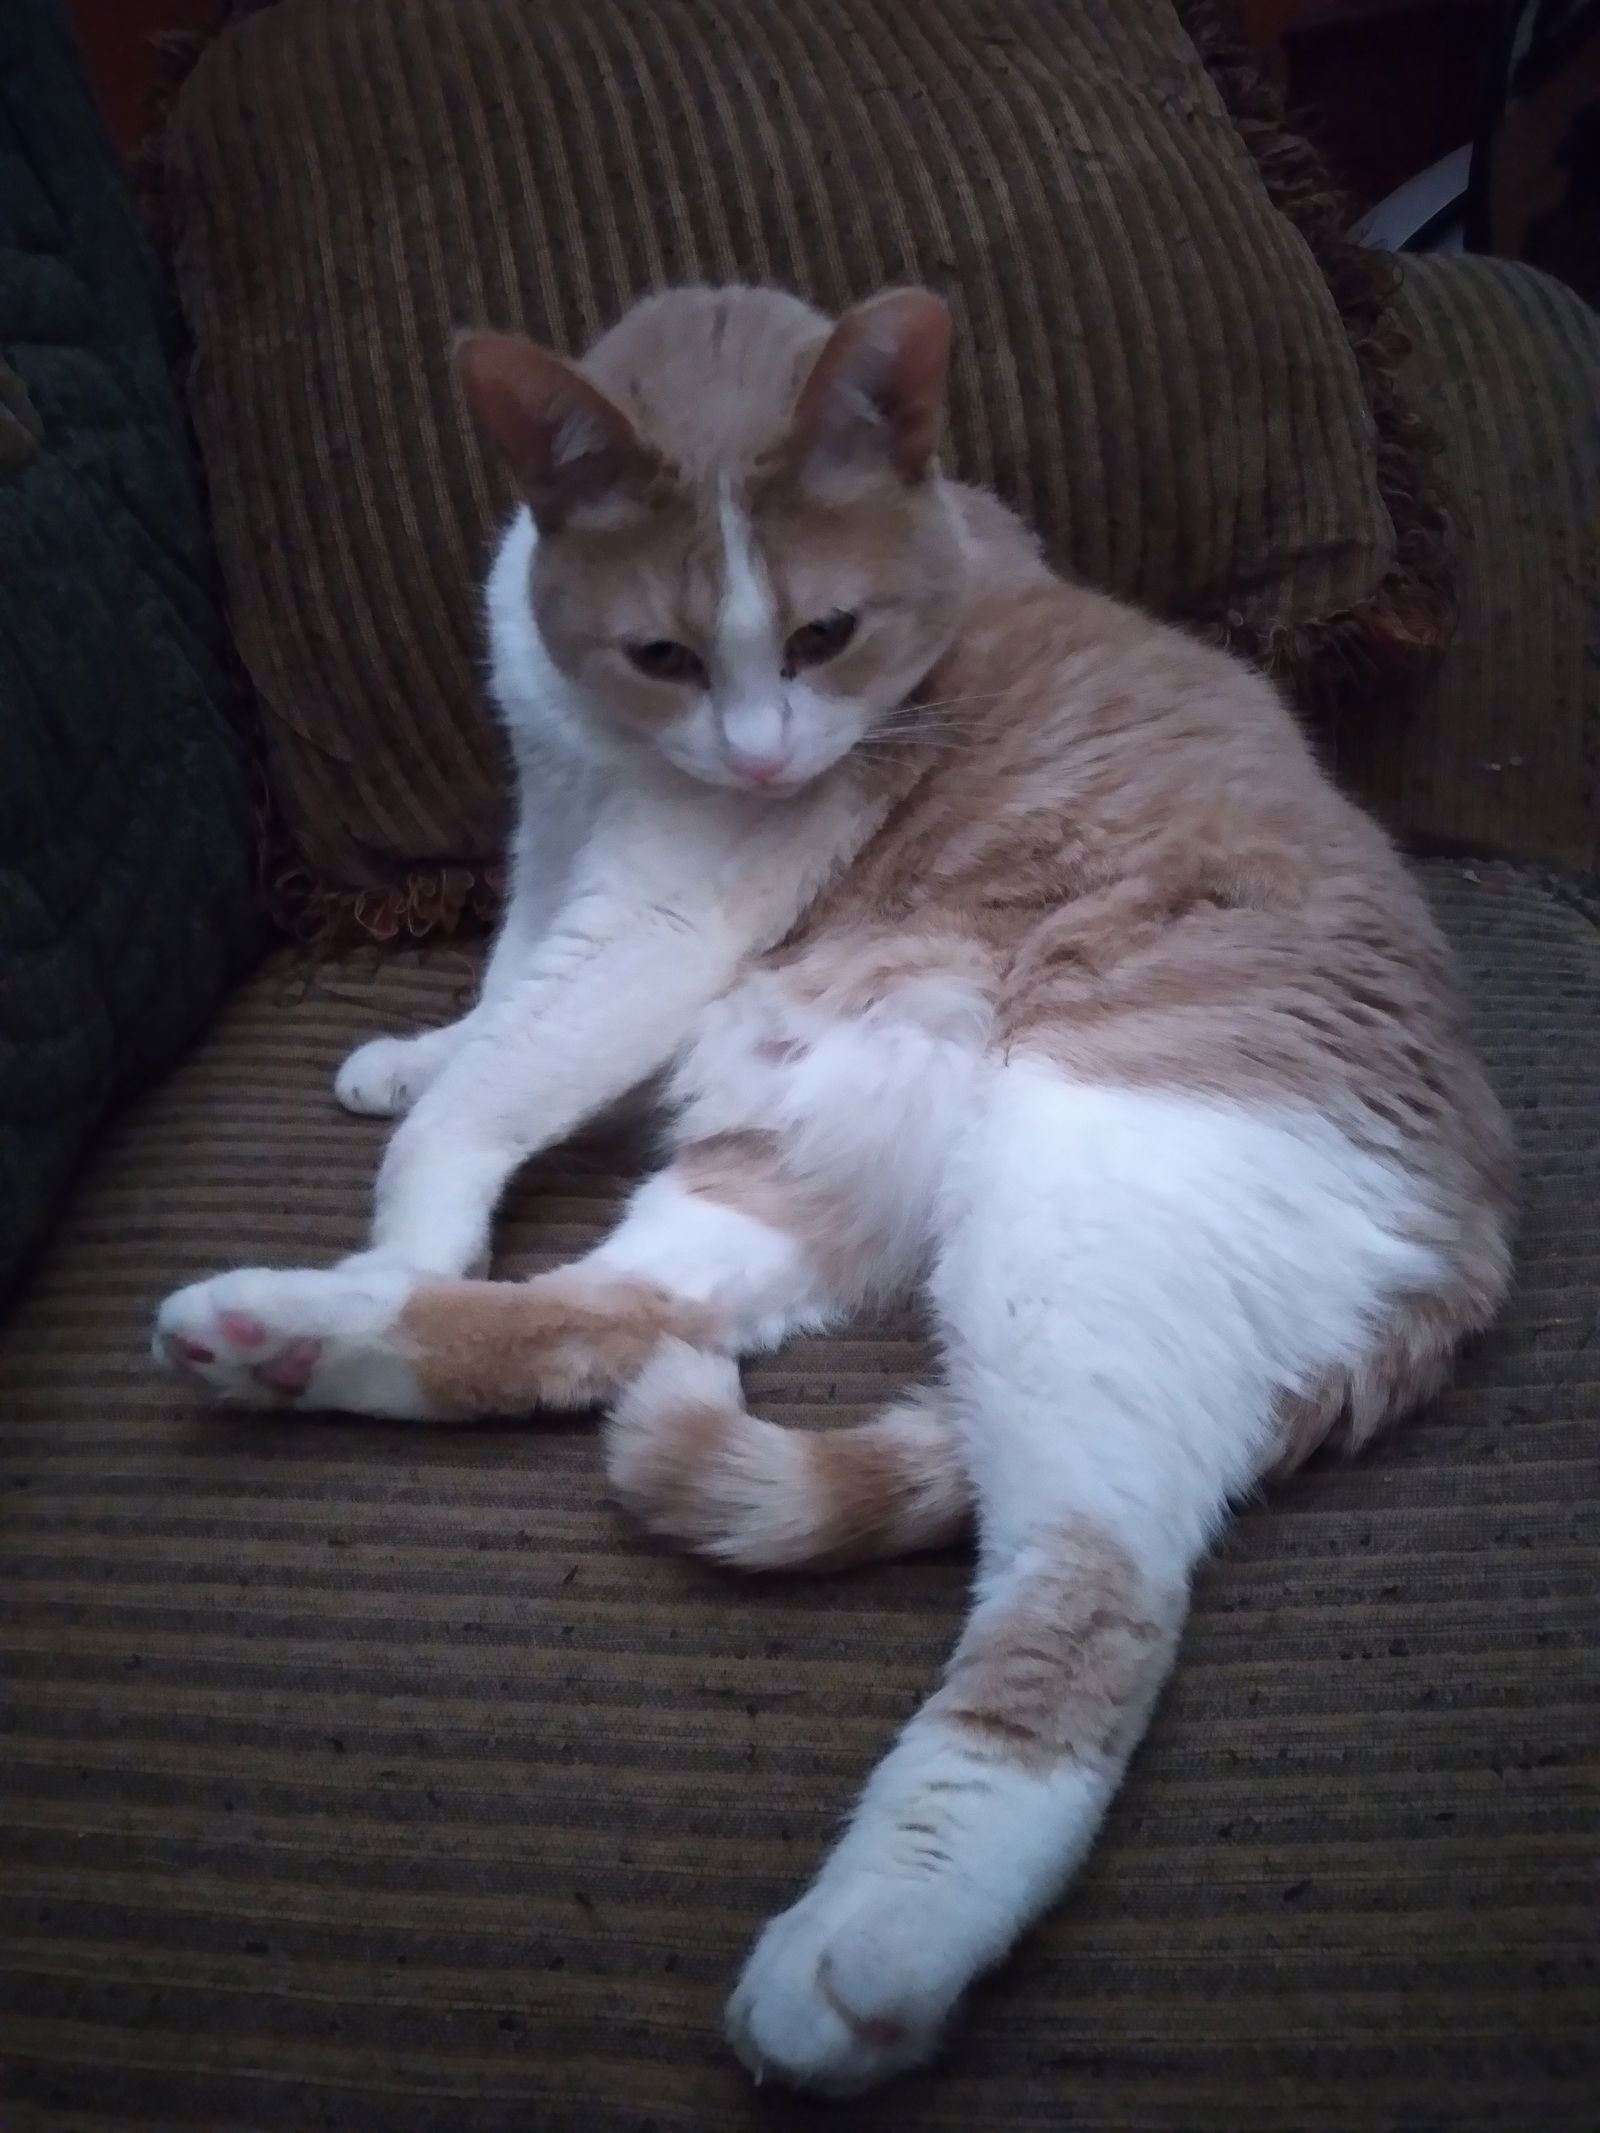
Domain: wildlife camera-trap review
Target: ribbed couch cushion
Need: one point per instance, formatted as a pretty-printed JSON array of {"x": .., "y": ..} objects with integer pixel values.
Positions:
[
  {"x": 384, "y": 1780},
  {"x": 1151, "y": 363},
  {"x": 1500, "y": 752}
]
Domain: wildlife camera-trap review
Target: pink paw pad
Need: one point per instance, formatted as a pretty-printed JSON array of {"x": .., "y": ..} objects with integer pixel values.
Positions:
[
  {"x": 883, "y": 2035},
  {"x": 243, "y": 1330},
  {"x": 290, "y": 1370},
  {"x": 188, "y": 1351}
]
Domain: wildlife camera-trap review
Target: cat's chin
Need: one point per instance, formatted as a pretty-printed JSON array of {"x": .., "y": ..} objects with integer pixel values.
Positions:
[{"x": 773, "y": 793}]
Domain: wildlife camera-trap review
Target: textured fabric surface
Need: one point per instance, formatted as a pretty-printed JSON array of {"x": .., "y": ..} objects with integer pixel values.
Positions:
[
  {"x": 1501, "y": 751},
  {"x": 382, "y": 1780},
  {"x": 126, "y": 840},
  {"x": 1151, "y": 365}
]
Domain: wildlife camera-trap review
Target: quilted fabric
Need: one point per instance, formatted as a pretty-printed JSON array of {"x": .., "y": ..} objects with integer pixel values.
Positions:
[{"x": 126, "y": 873}]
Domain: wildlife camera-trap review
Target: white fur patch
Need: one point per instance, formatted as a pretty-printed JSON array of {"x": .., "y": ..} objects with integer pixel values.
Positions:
[
  {"x": 1129, "y": 1277},
  {"x": 708, "y": 1253},
  {"x": 747, "y": 619},
  {"x": 522, "y": 678},
  {"x": 746, "y": 658},
  {"x": 866, "y": 1107}
]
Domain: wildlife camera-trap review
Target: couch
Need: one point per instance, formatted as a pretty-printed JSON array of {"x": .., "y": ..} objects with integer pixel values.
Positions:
[{"x": 383, "y": 1779}]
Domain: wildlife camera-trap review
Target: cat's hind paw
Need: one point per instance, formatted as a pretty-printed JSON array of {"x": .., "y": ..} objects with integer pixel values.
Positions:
[
  {"x": 838, "y": 1995},
  {"x": 297, "y": 1338}
]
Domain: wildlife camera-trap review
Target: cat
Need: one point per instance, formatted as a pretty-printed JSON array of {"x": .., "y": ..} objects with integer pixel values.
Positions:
[{"x": 996, "y": 943}]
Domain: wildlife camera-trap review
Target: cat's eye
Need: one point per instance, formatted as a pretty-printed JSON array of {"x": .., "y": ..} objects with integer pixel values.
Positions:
[
  {"x": 815, "y": 642},
  {"x": 663, "y": 660}
]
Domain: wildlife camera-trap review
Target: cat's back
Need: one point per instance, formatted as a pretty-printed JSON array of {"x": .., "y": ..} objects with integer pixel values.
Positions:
[
  {"x": 1135, "y": 841},
  {"x": 1075, "y": 746}
]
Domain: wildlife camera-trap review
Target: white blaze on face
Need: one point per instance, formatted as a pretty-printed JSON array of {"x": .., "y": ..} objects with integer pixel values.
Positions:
[{"x": 747, "y": 682}]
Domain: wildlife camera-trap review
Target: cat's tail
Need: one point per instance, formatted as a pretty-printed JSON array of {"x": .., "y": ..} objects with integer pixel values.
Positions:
[{"x": 687, "y": 1457}]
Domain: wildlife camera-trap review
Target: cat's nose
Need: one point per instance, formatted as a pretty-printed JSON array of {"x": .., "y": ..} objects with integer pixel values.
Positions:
[{"x": 751, "y": 768}]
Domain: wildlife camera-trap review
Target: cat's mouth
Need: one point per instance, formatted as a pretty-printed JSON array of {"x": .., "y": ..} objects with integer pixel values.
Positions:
[
  {"x": 782, "y": 786},
  {"x": 766, "y": 782},
  {"x": 764, "y": 775}
]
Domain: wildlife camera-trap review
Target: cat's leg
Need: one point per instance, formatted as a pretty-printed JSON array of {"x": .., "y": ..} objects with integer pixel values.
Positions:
[
  {"x": 382, "y": 1340},
  {"x": 652, "y": 933},
  {"x": 537, "y": 1065},
  {"x": 665, "y": 905},
  {"x": 671, "y": 894},
  {"x": 1126, "y": 1283}
]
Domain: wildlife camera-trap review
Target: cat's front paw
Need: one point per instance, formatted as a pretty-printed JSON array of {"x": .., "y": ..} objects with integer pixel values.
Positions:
[
  {"x": 383, "y": 1079},
  {"x": 298, "y": 1338},
  {"x": 845, "y": 1989}
]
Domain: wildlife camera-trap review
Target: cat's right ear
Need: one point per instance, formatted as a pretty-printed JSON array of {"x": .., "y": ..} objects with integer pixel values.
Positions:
[
  {"x": 572, "y": 452},
  {"x": 874, "y": 398}
]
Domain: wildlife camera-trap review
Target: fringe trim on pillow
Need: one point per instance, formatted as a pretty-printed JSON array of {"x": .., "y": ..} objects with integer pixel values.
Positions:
[
  {"x": 426, "y": 904},
  {"x": 1363, "y": 658}
]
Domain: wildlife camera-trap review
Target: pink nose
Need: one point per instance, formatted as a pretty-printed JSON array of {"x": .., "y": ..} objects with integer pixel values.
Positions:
[{"x": 756, "y": 769}]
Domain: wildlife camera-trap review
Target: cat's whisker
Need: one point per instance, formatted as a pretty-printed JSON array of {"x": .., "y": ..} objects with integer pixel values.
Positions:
[
  {"x": 955, "y": 727},
  {"x": 950, "y": 703},
  {"x": 888, "y": 743}
]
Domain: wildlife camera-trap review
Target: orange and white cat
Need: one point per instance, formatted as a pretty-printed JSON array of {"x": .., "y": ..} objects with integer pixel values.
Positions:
[{"x": 994, "y": 942}]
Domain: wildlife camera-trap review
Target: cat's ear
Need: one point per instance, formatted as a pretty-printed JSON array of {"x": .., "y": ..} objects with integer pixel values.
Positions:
[
  {"x": 570, "y": 449},
  {"x": 875, "y": 395}
]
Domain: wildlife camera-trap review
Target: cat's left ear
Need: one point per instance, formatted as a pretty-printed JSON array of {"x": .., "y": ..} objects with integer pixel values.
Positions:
[{"x": 875, "y": 395}]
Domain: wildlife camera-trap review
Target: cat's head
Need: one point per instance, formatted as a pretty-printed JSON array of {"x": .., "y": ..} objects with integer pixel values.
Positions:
[{"x": 746, "y": 559}]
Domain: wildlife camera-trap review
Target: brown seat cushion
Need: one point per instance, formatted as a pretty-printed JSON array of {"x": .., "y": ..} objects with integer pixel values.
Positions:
[
  {"x": 1151, "y": 364},
  {"x": 383, "y": 1780}
]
